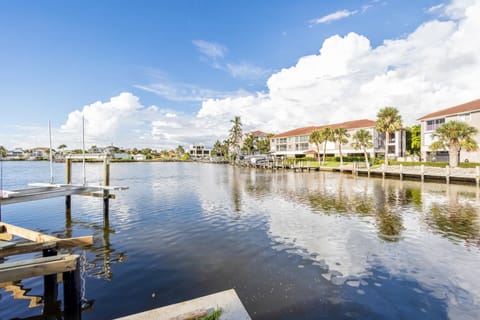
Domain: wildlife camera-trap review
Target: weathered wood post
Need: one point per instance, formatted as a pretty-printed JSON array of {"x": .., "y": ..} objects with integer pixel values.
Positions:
[
  {"x": 50, "y": 287},
  {"x": 422, "y": 172},
  {"x": 401, "y": 171},
  {"x": 383, "y": 170},
  {"x": 477, "y": 175},
  {"x": 106, "y": 182},
  {"x": 68, "y": 180},
  {"x": 71, "y": 293},
  {"x": 447, "y": 173}
]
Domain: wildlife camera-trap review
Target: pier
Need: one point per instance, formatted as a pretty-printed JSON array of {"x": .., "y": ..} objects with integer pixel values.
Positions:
[{"x": 53, "y": 265}]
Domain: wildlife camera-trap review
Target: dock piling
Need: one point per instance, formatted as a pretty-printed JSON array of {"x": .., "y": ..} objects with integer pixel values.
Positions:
[
  {"x": 106, "y": 182},
  {"x": 68, "y": 180},
  {"x": 447, "y": 174},
  {"x": 72, "y": 294},
  {"x": 50, "y": 286}
]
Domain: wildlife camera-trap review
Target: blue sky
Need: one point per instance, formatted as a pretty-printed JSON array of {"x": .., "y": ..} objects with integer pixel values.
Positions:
[{"x": 187, "y": 64}]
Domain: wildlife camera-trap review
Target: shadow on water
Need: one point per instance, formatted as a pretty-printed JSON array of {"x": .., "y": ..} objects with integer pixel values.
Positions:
[{"x": 95, "y": 262}]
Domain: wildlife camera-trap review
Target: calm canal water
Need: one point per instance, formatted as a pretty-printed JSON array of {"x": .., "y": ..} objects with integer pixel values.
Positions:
[{"x": 293, "y": 245}]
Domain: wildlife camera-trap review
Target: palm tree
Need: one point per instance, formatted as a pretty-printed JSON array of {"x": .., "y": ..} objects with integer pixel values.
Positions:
[
  {"x": 327, "y": 135},
  {"x": 453, "y": 136},
  {"x": 340, "y": 136},
  {"x": 249, "y": 144},
  {"x": 3, "y": 152},
  {"x": 388, "y": 121},
  {"x": 235, "y": 134},
  {"x": 315, "y": 137},
  {"x": 362, "y": 139},
  {"x": 179, "y": 151},
  {"x": 61, "y": 148}
]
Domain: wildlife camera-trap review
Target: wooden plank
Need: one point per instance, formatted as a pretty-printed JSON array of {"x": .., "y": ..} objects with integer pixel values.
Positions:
[
  {"x": 27, "y": 234},
  {"x": 96, "y": 194},
  {"x": 6, "y": 244},
  {"x": 37, "y": 267},
  {"x": 21, "y": 248},
  {"x": 6, "y": 236}
]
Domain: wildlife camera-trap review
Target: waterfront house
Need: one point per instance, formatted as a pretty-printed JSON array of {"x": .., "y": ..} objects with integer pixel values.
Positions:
[
  {"x": 121, "y": 156},
  {"x": 294, "y": 143},
  {"x": 16, "y": 154},
  {"x": 40, "y": 153},
  {"x": 467, "y": 112},
  {"x": 140, "y": 157},
  {"x": 198, "y": 151}
]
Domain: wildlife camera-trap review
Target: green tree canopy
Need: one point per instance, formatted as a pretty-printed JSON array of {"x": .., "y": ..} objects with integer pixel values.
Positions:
[
  {"x": 3, "y": 151},
  {"x": 327, "y": 136},
  {"x": 179, "y": 151},
  {"x": 454, "y": 136},
  {"x": 416, "y": 139},
  {"x": 340, "y": 136},
  {"x": 250, "y": 144},
  {"x": 388, "y": 121},
  {"x": 316, "y": 138},
  {"x": 263, "y": 145},
  {"x": 362, "y": 140}
]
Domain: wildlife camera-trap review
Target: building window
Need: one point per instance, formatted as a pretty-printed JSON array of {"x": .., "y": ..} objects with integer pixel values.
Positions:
[
  {"x": 464, "y": 117},
  {"x": 432, "y": 125},
  {"x": 301, "y": 146},
  {"x": 282, "y": 147},
  {"x": 301, "y": 139}
]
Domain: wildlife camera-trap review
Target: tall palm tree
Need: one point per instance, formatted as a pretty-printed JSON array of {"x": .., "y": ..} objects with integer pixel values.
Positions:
[
  {"x": 453, "y": 136},
  {"x": 362, "y": 139},
  {"x": 316, "y": 138},
  {"x": 340, "y": 136},
  {"x": 236, "y": 134},
  {"x": 327, "y": 135},
  {"x": 388, "y": 121}
]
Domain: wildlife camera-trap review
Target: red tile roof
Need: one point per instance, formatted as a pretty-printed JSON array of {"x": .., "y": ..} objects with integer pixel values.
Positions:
[
  {"x": 257, "y": 133},
  {"x": 297, "y": 132},
  {"x": 461, "y": 108},
  {"x": 363, "y": 123}
]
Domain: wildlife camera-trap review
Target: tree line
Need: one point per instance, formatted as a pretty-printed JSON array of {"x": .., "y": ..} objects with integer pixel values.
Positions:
[{"x": 452, "y": 136}]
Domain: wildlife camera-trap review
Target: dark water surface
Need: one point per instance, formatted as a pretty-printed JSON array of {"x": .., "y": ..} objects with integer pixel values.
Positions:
[{"x": 293, "y": 245}]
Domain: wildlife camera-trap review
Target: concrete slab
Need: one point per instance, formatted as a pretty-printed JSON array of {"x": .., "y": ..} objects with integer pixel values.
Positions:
[{"x": 228, "y": 301}]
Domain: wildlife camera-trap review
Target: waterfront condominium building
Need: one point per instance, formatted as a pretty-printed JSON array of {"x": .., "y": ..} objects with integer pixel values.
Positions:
[
  {"x": 468, "y": 112},
  {"x": 295, "y": 144},
  {"x": 198, "y": 151}
]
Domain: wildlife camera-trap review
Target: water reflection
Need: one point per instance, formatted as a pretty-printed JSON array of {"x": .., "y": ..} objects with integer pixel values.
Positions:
[
  {"x": 454, "y": 217},
  {"x": 328, "y": 218},
  {"x": 101, "y": 254}
]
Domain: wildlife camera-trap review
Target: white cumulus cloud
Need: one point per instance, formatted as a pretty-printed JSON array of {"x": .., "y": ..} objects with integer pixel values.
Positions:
[
  {"x": 341, "y": 14},
  {"x": 434, "y": 67}
]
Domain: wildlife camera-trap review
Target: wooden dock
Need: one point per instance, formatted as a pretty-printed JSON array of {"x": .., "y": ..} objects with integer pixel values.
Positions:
[
  {"x": 419, "y": 172},
  {"x": 51, "y": 264}
]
